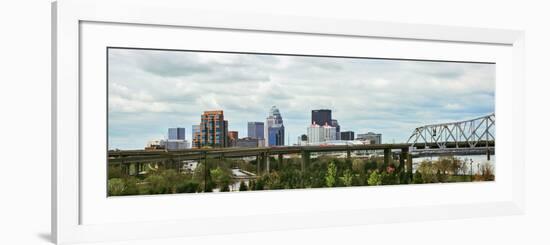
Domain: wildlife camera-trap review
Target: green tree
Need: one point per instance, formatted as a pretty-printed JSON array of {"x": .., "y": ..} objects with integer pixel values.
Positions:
[
  {"x": 347, "y": 179},
  {"x": 252, "y": 185},
  {"x": 330, "y": 177},
  {"x": 216, "y": 174},
  {"x": 260, "y": 184},
  {"x": 417, "y": 178},
  {"x": 374, "y": 178},
  {"x": 222, "y": 177},
  {"x": 358, "y": 165},
  {"x": 157, "y": 184},
  {"x": 114, "y": 172},
  {"x": 188, "y": 186},
  {"x": 172, "y": 179},
  {"x": 445, "y": 165},
  {"x": 388, "y": 178},
  {"x": 404, "y": 177},
  {"x": 274, "y": 181},
  {"x": 225, "y": 188},
  {"x": 115, "y": 186},
  {"x": 487, "y": 172},
  {"x": 428, "y": 171},
  {"x": 131, "y": 188}
]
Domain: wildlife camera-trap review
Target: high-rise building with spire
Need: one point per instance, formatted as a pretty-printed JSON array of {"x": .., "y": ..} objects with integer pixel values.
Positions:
[{"x": 274, "y": 132}]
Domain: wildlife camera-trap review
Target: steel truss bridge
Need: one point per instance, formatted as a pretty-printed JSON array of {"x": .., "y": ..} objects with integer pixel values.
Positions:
[
  {"x": 474, "y": 136},
  {"x": 478, "y": 134}
]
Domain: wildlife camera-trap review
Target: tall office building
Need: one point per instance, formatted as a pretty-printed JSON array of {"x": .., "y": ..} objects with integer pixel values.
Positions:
[
  {"x": 196, "y": 130},
  {"x": 213, "y": 130},
  {"x": 347, "y": 135},
  {"x": 274, "y": 132},
  {"x": 232, "y": 137},
  {"x": 321, "y": 117},
  {"x": 320, "y": 134},
  {"x": 247, "y": 142},
  {"x": 256, "y": 130},
  {"x": 176, "y": 133},
  {"x": 335, "y": 124}
]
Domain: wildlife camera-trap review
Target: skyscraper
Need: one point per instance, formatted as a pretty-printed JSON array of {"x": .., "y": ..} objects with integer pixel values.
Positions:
[
  {"x": 196, "y": 131},
  {"x": 213, "y": 130},
  {"x": 320, "y": 134},
  {"x": 176, "y": 133},
  {"x": 256, "y": 130},
  {"x": 321, "y": 117},
  {"x": 347, "y": 135},
  {"x": 274, "y": 132},
  {"x": 335, "y": 124},
  {"x": 232, "y": 137}
]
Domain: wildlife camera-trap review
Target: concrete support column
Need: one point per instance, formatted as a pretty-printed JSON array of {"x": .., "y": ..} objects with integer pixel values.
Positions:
[
  {"x": 305, "y": 159},
  {"x": 409, "y": 163},
  {"x": 348, "y": 154},
  {"x": 280, "y": 162},
  {"x": 403, "y": 159},
  {"x": 267, "y": 162},
  {"x": 387, "y": 156},
  {"x": 258, "y": 162}
]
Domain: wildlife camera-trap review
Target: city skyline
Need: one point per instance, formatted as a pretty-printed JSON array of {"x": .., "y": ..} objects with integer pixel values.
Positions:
[{"x": 151, "y": 91}]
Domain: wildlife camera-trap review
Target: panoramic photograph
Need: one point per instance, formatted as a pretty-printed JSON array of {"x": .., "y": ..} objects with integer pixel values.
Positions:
[{"x": 190, "y": 121}]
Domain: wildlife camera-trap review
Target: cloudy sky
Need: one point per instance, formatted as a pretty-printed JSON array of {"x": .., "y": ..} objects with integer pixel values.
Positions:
[{"x": 152, "y": 90}]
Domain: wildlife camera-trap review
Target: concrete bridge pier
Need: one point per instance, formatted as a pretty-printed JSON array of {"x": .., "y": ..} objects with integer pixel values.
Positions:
[
  {"x": 267, "y": 162},
  {"x": 280, "y": 162},
  {"x": 306, "y": 157},
  {"x": 387, "y": 156},
  {"x": 258, "y": 162},
  {"x": 405, "y": 162},
  {"x": 402, "y": 159},
  {"x": 409, "y": 164}
]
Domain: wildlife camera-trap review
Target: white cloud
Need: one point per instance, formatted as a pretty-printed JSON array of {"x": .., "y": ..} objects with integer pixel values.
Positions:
[{"x": 159, "y": 89}]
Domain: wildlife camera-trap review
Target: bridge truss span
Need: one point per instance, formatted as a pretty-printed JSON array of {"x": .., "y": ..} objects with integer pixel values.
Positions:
[{"x": 477, "y": 132}]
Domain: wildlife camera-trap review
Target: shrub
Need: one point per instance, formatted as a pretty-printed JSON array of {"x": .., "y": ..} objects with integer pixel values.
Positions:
[
  {"x": 114, "y": 172},
  {"x": 374, "y": 178},
  {"x": 242, "y": 186},
  {"x": 157, "y": 184},
  {"x": 388, "y": 178},
  {"x": 115, "y": 187},
  {"x": 441, "y": 177},
  {"x": 347, "y": 179},
  {"x": 225, "y": 188},
  {"x": 417, "y": 178},
  {"x": 188, "y": 187},
  {"x": 131, "y": 184},
  {"x": 330, "y": 177}
]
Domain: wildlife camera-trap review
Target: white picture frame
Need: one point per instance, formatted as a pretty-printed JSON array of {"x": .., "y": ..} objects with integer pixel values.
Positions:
[{"x": 67, "y": 198}]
